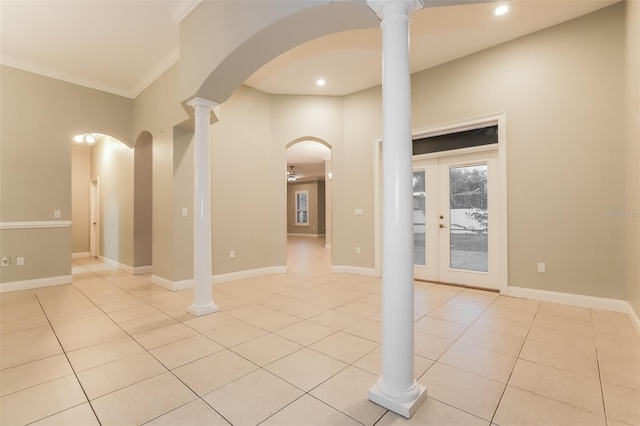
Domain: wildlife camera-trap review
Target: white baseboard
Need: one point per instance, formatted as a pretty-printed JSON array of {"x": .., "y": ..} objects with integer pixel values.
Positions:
[
  {"x": 125, "y": 268},
  {"x": 36, "y": 283},
  {"x": 371, "y": 272},
  {"x": 216, "y": 279},
  {"x": 142, "y": 269},
  {"x": 172, "y": 285},
  {"x": 80, "y": 255},
  {"x": 307, "y": 235},
  {"x": 251, "y": 273},
  {"x": 602, "y": 303}
]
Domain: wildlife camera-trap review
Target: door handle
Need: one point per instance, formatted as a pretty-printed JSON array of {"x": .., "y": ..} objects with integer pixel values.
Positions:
[{"x": 442, "y": 226}]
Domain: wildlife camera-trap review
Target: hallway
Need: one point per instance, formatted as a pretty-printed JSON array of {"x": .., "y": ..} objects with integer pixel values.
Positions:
[{"x": 302, "y": 348}]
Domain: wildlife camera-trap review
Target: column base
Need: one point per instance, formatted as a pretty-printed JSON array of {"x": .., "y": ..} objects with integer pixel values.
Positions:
[
  {"x": 405, "y": 409},
  {"x": 203, "y": 310}
]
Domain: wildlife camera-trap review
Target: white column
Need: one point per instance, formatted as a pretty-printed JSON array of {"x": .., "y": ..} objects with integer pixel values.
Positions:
[
  {"x": 202, "y": 269},
  {"x": 397, "y": 389}
]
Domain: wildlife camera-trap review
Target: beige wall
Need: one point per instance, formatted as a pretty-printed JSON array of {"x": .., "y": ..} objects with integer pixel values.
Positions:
[
  {"x": 316, "y": 207},
  {"x": 633, "y": 154},
  {"x": 112, "y": 164},
  {"x": 80, "y": 202},
  {"x": 143, "y": 200},
  {"x": 40, "y": 116},
  {"x": 562, "y": 92}
]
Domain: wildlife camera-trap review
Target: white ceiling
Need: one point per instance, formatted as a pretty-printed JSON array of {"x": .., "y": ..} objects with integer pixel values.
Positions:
[{"x": 121, "y": 46}]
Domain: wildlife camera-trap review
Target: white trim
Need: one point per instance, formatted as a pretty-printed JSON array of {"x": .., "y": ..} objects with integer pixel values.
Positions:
[
  {"x": 456, "y": 152},
  {"x": 36, "y": 224},
  {"x": 602, "y": 303},
  {"x": 339, "y": 269},
  {"x": 171, "y": 285},
  {"x": 80, "y": 255},
  {"x": 36, "y": 283},
  {"x": 305, "y": 235},
  {"x": 125, "y": 268},
  {"x": 635, "y": 321},
  {"x": 217, "y": 279},
  {"x": 137, "y": 270},
  {"x": 250, "y": 273}
]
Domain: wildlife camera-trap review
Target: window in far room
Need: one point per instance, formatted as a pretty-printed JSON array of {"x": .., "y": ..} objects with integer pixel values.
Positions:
[{"x": 302, "y": 208}]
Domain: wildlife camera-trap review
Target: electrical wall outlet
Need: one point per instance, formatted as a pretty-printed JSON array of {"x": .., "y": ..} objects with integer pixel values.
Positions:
[
  {"x": 357, "y": 250},
  {"x": 20, "y": 261},
  {"x": 5, "y": 261},
  {"x": 184, "y": 212},
  {"x": 232, "y": 254},
  {"x": 542, "y": 268},
  {"x": 57, "y": 214}
]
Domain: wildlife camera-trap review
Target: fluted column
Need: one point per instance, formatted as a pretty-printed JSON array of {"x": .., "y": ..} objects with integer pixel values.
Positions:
[
  {"x": 397, "y": 389},
  {"x": 202, "y": 267}
]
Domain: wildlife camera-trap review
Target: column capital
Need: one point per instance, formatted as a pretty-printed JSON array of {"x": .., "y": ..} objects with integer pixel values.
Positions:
[
  {"x": 383, "y": 8},
  {"x": 202, "y": 103}
]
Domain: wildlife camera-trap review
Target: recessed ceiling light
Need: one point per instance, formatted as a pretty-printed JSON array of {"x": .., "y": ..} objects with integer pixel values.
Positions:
[
  {"x": 79, "y": 138},
  {"x": 321, "y": 82},
  {"x": 501, "y": 10},
  {"x": 90, "y": 139}
]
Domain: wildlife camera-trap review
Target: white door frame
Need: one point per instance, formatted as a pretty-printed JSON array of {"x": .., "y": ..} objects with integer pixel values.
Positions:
[
  {"x": 94, "y": 218},
  {"x": 498, "y": 119}
]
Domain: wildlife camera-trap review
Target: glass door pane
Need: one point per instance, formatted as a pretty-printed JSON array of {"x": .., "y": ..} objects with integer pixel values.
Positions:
[
  {"x": 469, "y": 218},
  {"x": 419, "y": 216}
]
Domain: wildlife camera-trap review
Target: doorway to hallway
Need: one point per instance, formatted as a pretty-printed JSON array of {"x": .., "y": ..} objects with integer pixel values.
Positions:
[{"x": 308, "y": 255}]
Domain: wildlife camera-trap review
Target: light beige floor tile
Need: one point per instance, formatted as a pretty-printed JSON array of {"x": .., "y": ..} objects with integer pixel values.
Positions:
[
  {"x": 248, "y": 312},
  {"x": 146, "y": 323},
  {"x": 433, "y": 413},
  {"x": 517, "y": 304},
  {"x": 185, "y": 351},
  {"x": 104, "y": 379},
  {"x": 208, "y": 323},
  {"x": 466, "y": 391},
  {"x": 360, "y": 309},
  {"x": 441, "y": 328},
  {"x": 620, "y": 372},
  {"x": 38, "y": 319},
  {"x": 625, "y": 350},
  {"x": 331, "y": 301},
  {"x": 133, "y": 313},
  {"x": 367, "y": 329},
  {"x": 306, "y": 368},
  {"x": 309, "y": 411},
  {"x": 92, "y": 337},
  {"x": 52, "y": 397},
  {"x": 143, "y": 401},
  {"x": 454, "y": 315},
  {"x": 267, "y": 394},
  {"x": 614, "y": 422},
  {"x": 102, "y": 353},
  {"x": 194, "y": 413},
  {"x": 277, "y": 302},
  {"x": 64, "y": 328},
  {"x": 344, "y": 347},
  {"x": 30, "y": 352},
  {"x": 567, "y": 324},
  {"x": 573, "y": 389},
  {"x": 235, "y": 334},
  {"x": 566, "y": 311},
  {"x": 164, "y": 335},
  {"x": 305, "y": 332},
  {"x": 304, "y": 310},
  {"x": 429, "y": 346},
  {"x": 519, "y": 407},
  {"x": 19, "y": 338},
  {"x": 335, "y": 319},
  {"x": 621, "y": 403},
  {"x": 347, "y": 391},
  {"x": 503, "y": 325},
  {"x": 560, "y": 357},
  {"x": 613, "y": 325},
  {"x": 33, "y": 373},
  {"x": 493, "y": 341},
  {"x": 372, "y": 362},
  {"x": 495, "y": 311},
  {"x": 463, "y": 304},
  {"x": 265, "y": 349},
  {"x": 274, "y": 321},
  {"x": 565, "y": 339},
  {"x": 80, "y": 415},
  {"x": 492, "y": 365},
  {"x": 213, "y": 371}
]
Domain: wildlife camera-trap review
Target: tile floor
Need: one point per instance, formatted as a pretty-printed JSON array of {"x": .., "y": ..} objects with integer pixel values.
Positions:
[{"x": 303, "y": 349}]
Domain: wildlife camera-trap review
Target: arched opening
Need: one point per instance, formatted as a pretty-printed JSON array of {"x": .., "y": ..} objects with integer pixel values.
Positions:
[{"x": 309, "y": 201}]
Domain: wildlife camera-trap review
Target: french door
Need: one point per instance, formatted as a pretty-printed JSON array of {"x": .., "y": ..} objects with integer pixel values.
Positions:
[{"x": 456, "y": 219}]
